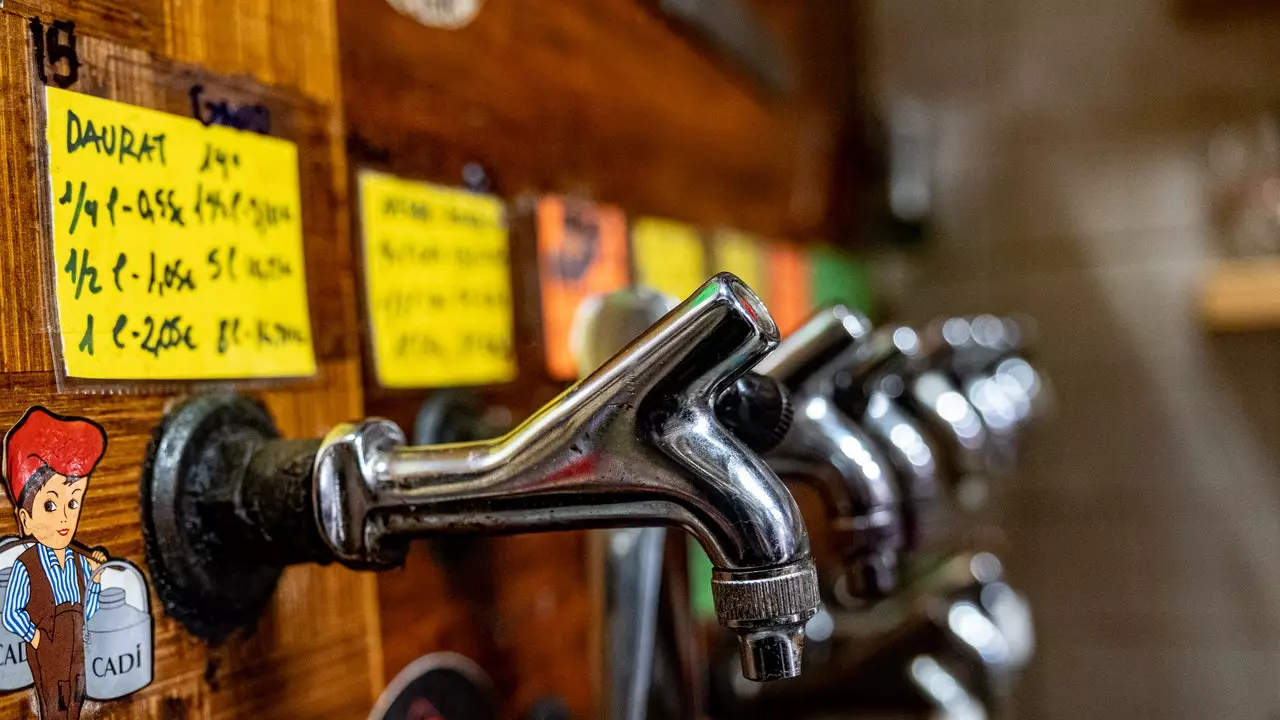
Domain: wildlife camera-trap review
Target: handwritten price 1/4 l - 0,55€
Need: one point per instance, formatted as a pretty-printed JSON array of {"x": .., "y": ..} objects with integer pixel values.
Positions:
[
  {"x": 179, "y": 246},
  {"x": 206, "y": 204}
]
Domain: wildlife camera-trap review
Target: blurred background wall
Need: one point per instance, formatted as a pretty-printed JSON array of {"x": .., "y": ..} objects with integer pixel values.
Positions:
[{"x": 1072, "y": 186}]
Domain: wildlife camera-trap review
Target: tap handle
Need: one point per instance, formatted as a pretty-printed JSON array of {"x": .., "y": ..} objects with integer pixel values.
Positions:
[
  {"x": 970, "y": 345},
  {"x": 757, "y": 409}
]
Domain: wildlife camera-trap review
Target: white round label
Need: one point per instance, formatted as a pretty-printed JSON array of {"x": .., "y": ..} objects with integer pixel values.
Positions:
[{"x": 449, "y": 14}]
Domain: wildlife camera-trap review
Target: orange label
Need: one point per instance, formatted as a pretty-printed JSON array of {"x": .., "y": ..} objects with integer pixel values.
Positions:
[
  {"x": 790, "y": 298},
  {"x": 582, "y": 250}
]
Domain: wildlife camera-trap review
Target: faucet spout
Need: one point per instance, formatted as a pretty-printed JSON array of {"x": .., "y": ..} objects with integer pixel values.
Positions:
[{"x": 636, "y": 443}]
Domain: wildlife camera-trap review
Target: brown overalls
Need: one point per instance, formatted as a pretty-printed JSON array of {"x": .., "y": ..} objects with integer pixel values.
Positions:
[{"x": 58, "y": 664}]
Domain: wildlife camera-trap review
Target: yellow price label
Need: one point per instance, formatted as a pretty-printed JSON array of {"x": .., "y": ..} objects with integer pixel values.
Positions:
[
  {"x": 744, "y": 256},
  {"x": 177, "y": 247},
  {"x": 437, "y": 282},
  {"x": 669, "y": 256}
]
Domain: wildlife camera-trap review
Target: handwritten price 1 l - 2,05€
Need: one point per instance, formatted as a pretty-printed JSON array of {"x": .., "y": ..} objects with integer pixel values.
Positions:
[{"x": 151, "y": 335}]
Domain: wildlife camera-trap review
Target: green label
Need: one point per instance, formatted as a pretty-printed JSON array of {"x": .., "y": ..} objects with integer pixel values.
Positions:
[
  {"x": 701, "y": 601},
  {"x": 838, "y": 278}
]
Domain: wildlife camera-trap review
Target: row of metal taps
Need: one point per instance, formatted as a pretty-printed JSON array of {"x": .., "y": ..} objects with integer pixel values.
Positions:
[
  {"x": 694, "y": 424},
  {"x": 900, "y": 432},
  {"x": 904, "y": 433}
]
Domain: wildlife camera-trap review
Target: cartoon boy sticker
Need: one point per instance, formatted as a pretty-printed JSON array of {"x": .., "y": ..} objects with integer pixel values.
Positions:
[{"x": 54, "y": 588}]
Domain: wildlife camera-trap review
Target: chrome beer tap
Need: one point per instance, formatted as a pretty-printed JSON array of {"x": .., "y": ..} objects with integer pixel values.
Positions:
[
  {"x": 912, "y": 373},
  {"x": 837, "y": 353},
  {"x": 826, "y": 447},
  {"x": 988, "y": 355},
  {"x": 227, "y": 504},
  {"x": 914, "y": 453}
]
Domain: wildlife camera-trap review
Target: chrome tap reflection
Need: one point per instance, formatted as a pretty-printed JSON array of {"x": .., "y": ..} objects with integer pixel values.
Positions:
[
  {"x": 909, "y": 375},
  {"x": 987, "y": 621},
  {"x": 916, "y": 458},
  {"x": 984, "y": 355},
  {"x": 949, "y": 697}
]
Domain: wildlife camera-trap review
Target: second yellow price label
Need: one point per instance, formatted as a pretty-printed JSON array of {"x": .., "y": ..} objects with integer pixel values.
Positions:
[
  {"x": 669, "y": 256},
  {"x": 437, "y": 284}
]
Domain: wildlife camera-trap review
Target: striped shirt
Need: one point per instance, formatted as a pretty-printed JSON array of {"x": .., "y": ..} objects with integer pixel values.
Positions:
[{"x": 65, "y": 590}]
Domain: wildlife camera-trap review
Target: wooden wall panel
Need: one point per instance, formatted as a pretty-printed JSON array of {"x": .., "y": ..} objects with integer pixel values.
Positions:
[
  {"x": 607, "y": 99},
  {"x": 317, "y": 651},
  {"x": 24, "y": 346},
  {"x": 520, "y": 606},
  {"x": 602, "y": 97},
  {"x": 598, "y": 97}
]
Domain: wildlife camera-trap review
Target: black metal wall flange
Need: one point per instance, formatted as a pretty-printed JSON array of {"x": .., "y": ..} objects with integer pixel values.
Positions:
[{"x": 226, "y": 505}]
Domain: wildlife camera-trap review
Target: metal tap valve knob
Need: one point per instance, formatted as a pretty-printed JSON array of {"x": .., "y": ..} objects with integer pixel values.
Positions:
[{"x": 757, "y": 409}]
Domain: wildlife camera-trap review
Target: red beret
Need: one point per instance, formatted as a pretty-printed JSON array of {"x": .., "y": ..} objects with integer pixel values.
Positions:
[{"x": 71, "y": 446}]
